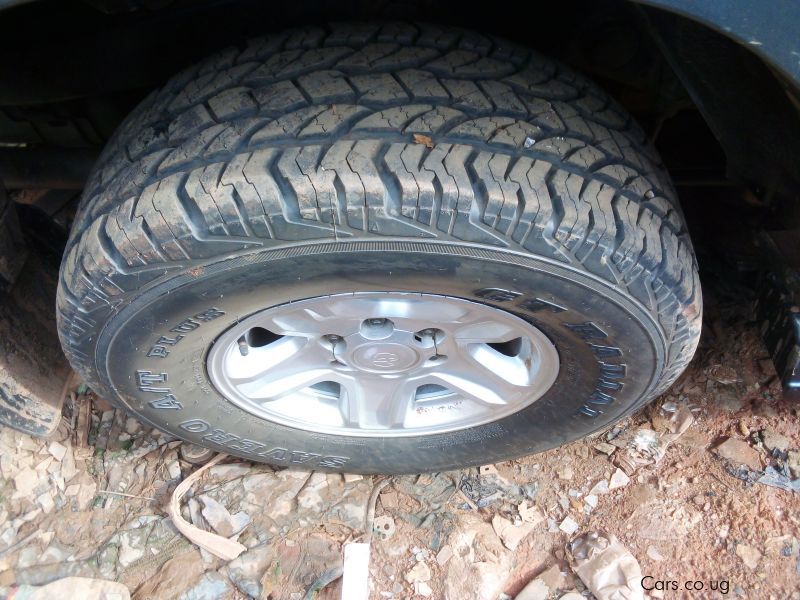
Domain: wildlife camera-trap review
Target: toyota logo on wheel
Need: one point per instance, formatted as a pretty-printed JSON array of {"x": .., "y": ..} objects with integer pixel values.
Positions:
[{"x": 385, "y": 360}]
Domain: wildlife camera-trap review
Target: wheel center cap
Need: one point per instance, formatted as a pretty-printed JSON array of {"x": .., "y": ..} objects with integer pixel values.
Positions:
[{"x": 385, "y": 357}]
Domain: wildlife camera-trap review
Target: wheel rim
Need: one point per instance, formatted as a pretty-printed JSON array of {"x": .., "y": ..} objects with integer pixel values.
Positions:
[{"x": 383, "y": 364}]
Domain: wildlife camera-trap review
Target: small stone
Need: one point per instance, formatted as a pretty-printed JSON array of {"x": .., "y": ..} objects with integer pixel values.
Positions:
[
  {"x": 53, "y": 554},
  {"x": 569, "y": 525},
  {"x": 529, "y": 141},
  {"x": 129, "y": 548},
  {"x": 743, "y": 428},
  {"x": 565, "y": 473},
  {"x": 530, "y": 513},
  {"x": 46, "y": 502},
  {"x": 553, "y": 578},
  {"x": 739, "y": 452},
  {"x": 749, "y": 555},
  {"x": 57, "y": 450},
  {"x": 230, "y": 471},
  {"x": 605, "y": 448},
  {"x": 654, "y": 554},
  {"x": 211, "y": 586},
  {"x": 423, "y": 589},
  {"x": 728, "y": 399},
  {"x": 85, "y": 495},
  {"x": 72, "y": 490},
  {"x": 511, "y": 535},
  {"x": 774, "y": 440},
  {"x": 591, "y": 500},
  {"x": 220, "y": 519},
  {"x": 44, "y": 465},
  {"x": 793, "y": 461},
  {"x": 131, "y": 425},
  {"x": 419, "y": 572},
  {"x": 389, "y": 500},
  {"x": 618, "y": 479},
  {"x": 601, "y": 487},
  {"x": 352, "y": 477},
  {"x": 535, "y": 590},
  {"x": 445, "y": 554},
  {"x": 25, "y": 481},
  {"x": 174, "y": 469},
  {"x": 68, "y": 467}
]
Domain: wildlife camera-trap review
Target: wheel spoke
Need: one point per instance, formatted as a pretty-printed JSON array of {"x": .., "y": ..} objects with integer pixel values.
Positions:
[
  {"x": 472, "y": 378},
  {"x": 302, "y": 365},
  {"x": 377, "y": 402}
]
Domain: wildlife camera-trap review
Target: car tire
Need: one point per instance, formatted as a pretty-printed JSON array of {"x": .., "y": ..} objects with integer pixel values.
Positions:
[{"x": 377, "y": 178}]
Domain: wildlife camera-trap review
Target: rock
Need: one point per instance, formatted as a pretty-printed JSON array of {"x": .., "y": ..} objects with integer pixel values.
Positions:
[
  {"x": 389, "y": 500},
  {"x": 25, "y": 481},
  {"x": 175, "y": 575},
  {"x": 591, "y": 500},
  {"x": 78, "y": 587},
  {"x": 605, "y": 448},
  {"x": 739, "y": 452},
  {"x": 569, "y": 525},
  {"x": 535, "y": 590},
  {"x": 749, "y": 555},
  {"x": 601, "y": 487},
  {"x": 572, "y": 596},
  {"x": 530, "y": 513},
  {"x": 57, "y": 451},
  {"x": 86, "y": 495},
  {"x": 565, "y": 473},
  {"x": 423, "y": 589},
  {"x": 220, "y": 519},
  {"x": 246, "y": 571},
  {"x": 46, "y": 502},
  {"x": 654, "y": 554},
  {"x": 511, "y": 535},
  {"x": 258, "y": 483},
  {"x": 53, "y": 554},
  {"x": 793, "y": 461},
  {"x": 618, "y": 479},
  {"x": 352, "y": 477},
  {"x": 419, "y": 572},
  {"x": 445, "y": 554},
  {"x": 230, "y": 471},
  {"x": 553, "y": 578},
  {"x": 728, "y": 399},
  {"x": 68, "y": 467},
  {"x": 174, "y": 469},
  {"x": 28, "y": 557},
  {"x": 774, "y": 440},
  {"x": 743, "y": 428},
  {"x": 131, "y": 547},
  {"x": 212, "y": 586}
]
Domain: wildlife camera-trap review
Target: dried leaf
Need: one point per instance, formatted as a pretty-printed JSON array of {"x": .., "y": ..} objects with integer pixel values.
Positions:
[{"x": 423, "y": 139}]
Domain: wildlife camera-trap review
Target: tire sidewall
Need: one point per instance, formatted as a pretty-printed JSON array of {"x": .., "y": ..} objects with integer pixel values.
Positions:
[{"x": 152, "y": 353}]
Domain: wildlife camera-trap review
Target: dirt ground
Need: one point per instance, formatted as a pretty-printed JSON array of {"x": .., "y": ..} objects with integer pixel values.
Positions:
[{"x": 689, "y": 512}]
